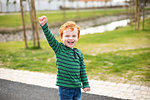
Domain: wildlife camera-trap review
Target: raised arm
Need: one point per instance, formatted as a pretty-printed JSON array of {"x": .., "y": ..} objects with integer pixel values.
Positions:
[{"x": 49, "y": 36}]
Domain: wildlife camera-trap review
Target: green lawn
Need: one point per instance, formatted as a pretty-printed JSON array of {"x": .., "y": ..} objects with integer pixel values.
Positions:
[
  {"x": 14, "y": 20},
  {"x": 122, "y": 55}
]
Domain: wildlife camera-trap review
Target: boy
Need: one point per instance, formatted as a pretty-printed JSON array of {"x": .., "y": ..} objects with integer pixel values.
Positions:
[{"x": 71, "y": 70}]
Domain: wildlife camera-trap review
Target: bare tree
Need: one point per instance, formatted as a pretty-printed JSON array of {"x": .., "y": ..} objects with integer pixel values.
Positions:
[
  {"x": 127, "y": 8},
  {"x": 32, "y": 23},
  {"x": 63, "y": 8},
  {"x": 143, "y": 13},
  {"x": 23, "y": 24},
  {"x": 1, "y": 6},
  {"x": 93, "y": 8},
  {"x": 86, "y": 2},
  {"x": 105, "y": 7},
  {"x": 49, "y": 1},
  {"x": 130, "y": 11},
  {"x": 14, "y": 2},
  {"x": 7, "y": 4},
  {"x": 35, "y": 21},
  {"x": 137, "y": 8},
  {"x": 137, "y": 15},
  {"x": 77, "y": 8}
]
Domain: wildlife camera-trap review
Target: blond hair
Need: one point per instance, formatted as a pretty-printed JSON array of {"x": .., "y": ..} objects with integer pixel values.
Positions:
[{"x": 68, "y": 25}]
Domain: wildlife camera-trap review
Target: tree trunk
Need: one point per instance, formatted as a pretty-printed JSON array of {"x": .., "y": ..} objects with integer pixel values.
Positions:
[
  {"x": 35, "y": 22},
  {"x": 135, "y": 14},
  {"x": 138, "y": 14},
  {"x": 77, "y": 9},
  {"x": 1, "y": 6},
  {"x": 130, "y": 7},
  {"x": 127, "y": 8},
  {"x": 32, "y": 24},
  {"x": 105, "y": 7},
  {"x": 93, "y": 8},
  {"x": 7, "y": 4},
  {"x": 23, "y": 24},
  {"x": 143, "y": 14},
  {"x": 64, "y": 12}
]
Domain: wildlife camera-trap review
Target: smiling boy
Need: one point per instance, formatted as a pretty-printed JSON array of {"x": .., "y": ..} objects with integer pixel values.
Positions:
[{"x": 71, "y": 70}]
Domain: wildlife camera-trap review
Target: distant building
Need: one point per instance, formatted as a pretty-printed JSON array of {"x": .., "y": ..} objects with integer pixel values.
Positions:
[{"x": 14, "y": 5}]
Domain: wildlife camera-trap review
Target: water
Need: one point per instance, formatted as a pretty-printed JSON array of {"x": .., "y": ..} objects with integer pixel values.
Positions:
[{"x": 108, "y": 27}]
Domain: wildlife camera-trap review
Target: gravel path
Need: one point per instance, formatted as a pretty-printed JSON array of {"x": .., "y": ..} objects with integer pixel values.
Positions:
[{"x": 116, "y": 90}]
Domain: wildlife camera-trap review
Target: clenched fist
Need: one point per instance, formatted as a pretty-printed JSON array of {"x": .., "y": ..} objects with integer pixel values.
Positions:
[
  {"x": 86, "y": 89},
  {"x": 42, "y": 20}
]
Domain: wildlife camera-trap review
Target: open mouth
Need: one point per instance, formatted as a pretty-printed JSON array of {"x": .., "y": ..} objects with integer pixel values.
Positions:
[{"x": 70, "y": 42}]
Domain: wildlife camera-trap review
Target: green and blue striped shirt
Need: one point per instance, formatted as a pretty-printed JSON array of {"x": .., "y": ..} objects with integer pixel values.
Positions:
[{"x": 71, "y": 70}]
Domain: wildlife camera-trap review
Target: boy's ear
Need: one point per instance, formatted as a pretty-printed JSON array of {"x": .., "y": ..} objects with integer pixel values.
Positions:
[{"x": 62, "y": 39}]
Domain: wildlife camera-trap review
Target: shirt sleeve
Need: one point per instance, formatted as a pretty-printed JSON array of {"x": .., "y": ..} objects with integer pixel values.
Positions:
[
  {"x": 51, "y": 39},
  {"x": 84, "y": 78}
]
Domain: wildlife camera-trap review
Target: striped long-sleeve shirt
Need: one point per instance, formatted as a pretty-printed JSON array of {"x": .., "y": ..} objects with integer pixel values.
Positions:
[{"x": 71, "y": 70}]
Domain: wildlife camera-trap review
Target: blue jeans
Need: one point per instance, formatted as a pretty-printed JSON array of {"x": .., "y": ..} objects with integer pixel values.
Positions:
[{"x": 69, "y": 93}]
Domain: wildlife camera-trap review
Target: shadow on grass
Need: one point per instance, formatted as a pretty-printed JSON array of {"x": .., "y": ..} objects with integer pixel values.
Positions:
[{"x": 33, "y": 48}]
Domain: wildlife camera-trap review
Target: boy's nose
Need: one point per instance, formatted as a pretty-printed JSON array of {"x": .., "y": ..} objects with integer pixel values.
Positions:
[{"x": 70, "y": 37}]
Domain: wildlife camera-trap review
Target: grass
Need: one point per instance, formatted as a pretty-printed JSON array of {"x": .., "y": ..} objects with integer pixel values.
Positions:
[
  {"x": 118, "y": 64},
  {"x": 122, "y": 55},
  {"x": 14, "y": 20},
  {"x": 27, "y": 59}
]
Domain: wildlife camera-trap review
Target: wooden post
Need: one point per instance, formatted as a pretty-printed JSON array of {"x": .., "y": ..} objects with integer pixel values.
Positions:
[
  {"x": 23, "y": 24},
  {"x": 35, "y": 22}
]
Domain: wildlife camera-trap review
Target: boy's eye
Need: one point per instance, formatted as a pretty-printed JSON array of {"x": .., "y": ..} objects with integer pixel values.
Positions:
[
  {"x": 66, "y": 35},
  {"x": 74, "y": 36}
]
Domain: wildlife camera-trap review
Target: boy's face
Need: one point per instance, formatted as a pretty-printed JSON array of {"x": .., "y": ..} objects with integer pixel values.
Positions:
[{"x": 70, "y": 37}]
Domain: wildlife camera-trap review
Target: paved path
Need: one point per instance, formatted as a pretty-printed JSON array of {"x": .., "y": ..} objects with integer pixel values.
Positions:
[
  {"x": 109, "y": 89},
  {"x": 10, "y": 90}
]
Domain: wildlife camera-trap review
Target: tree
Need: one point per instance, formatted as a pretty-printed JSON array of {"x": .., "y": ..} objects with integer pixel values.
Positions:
[
  {"x": 77, "y": 9},
  {"x": 49, "y": 1},
  {"x": 63, "y": 8},
  {"x": 138, "y": 6},
  {"x": 143, "y": 13},
  {"x": 7, "y": 3},
  {"x": 127, "y": 8},
  {"x": 86, "y": 3},
  {"x": 32, "y": 23},
  {"x": 105, "y": 7},
  {"x": 130, "y": 12},
  {"x": 23, "y": 24},
  {"x": 137, "y": 14},
  {"x": 93, "y": 8},
  {"x": 35, "y": 21},
  {"x": 14, "y": 2},
  {"x": 1, "y": 6}
]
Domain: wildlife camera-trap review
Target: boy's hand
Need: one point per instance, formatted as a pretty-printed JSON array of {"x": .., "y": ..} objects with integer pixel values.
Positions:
[
  {"x": 42, "y": 20},
  {"x": 86, "y": 89}
]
